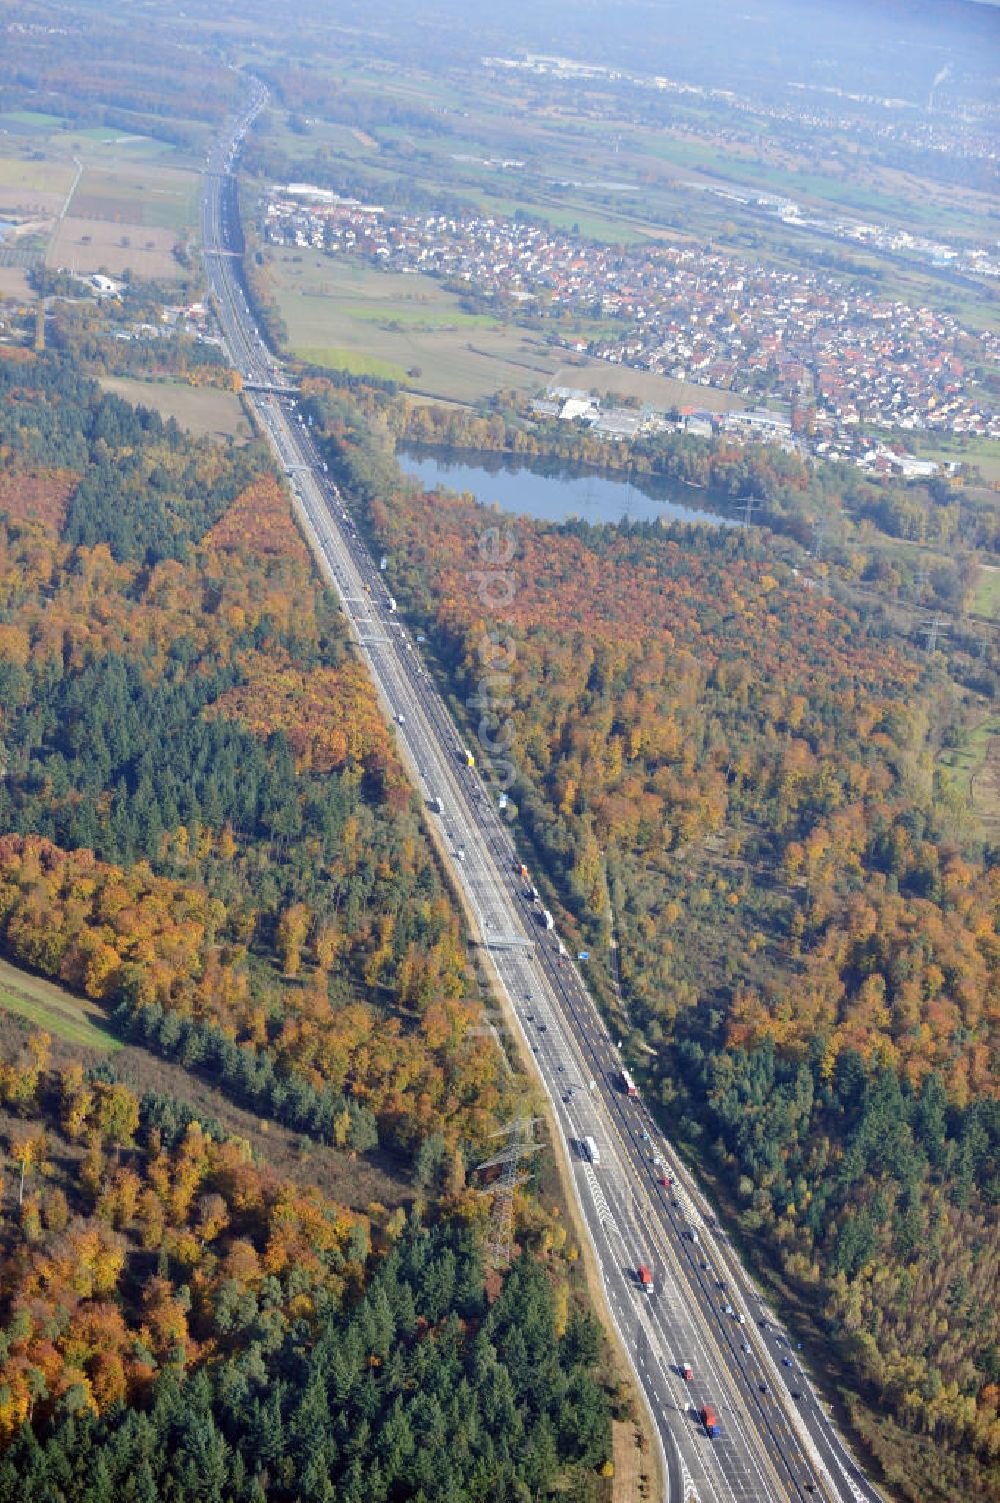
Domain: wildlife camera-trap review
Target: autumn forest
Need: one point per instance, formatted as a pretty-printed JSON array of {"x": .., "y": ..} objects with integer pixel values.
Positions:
[
  {"x": 252, "y": 1061},
  {"x": 209, "y": 834},
  {"x": 734, "y": 764}
]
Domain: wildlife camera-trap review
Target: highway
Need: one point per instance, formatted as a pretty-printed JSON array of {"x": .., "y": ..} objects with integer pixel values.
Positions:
[{"x": 639, "y": 1203}]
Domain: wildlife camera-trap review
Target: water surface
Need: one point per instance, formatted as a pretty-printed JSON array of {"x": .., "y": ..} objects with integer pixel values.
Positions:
[{"x": 552, "y": 491}]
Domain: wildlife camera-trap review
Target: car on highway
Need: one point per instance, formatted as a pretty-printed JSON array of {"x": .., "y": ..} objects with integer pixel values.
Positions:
[
  {"x": 787, "y": 1362},
  {"x": 596, "y": 1042}
]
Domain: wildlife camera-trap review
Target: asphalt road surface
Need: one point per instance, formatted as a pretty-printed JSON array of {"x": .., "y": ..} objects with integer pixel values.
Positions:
[{"x": 639, "y": 1203}]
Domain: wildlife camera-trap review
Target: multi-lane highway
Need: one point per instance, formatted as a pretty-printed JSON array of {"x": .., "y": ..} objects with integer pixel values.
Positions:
[{"x": 640, "y": 1206}]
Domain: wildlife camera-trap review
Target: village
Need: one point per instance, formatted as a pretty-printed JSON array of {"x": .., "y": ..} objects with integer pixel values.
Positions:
[
  {"x": 751, "y": 425},
  {"x": 850, "y": 369}
]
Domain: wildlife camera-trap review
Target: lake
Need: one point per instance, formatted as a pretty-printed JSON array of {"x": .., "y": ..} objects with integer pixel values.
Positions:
[{"x": 552, "y": 491}]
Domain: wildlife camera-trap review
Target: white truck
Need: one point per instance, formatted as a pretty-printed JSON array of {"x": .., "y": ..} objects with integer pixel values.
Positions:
[{"x": 591, "y": 1151}]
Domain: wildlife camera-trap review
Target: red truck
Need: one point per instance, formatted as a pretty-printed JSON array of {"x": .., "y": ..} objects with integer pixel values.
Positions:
[
  {"x": 687, "y": 1372},
  {"x": 708, "y": 1419},
  {"x": 628, "y": 1084},
  {"x": 645, "y": 1277}
]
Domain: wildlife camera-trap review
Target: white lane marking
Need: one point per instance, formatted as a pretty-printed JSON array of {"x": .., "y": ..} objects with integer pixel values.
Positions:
[{"x": 400, "y": 678}]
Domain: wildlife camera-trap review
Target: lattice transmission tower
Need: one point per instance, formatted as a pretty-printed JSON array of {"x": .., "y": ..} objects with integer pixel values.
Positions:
[
  {"x": 519, "y": 1145},
  {"x": 936, "y": 626}
]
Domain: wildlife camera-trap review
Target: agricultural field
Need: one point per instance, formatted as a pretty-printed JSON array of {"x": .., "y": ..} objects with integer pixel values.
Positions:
[
  {"x": 59, "y": 1012},
  {"x": 14, "y": 285},
  {"x": 86, "y": 245},
  {"x": 983, "y": 453},
  {"x": 410, "y": 329},
  {"x": 33, "y": 190},
  {"x": 126, "y": 218},
  {"x": 102, "y": 200},
  {"x": 340, "y": 140},
  {"x": 103, "y": 144},
  {"x": 621, "y": 181},
  {"x": 204, "y": 411},
  {"x": 29, "y": 122},
  {"x": 147, "y": 196},
  {"x": 882, "y": 194},
  {"x": 404, "y": 328},
  {"x": 57, "y": 138}
]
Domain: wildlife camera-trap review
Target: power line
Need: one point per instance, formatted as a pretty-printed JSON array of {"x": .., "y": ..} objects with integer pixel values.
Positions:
[
  {"x": 499, "y": 1241},
  {"x": 819, "y": 532},
  {"x": 934, "y": 627},
  {"x": 750, "y": 504}
]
